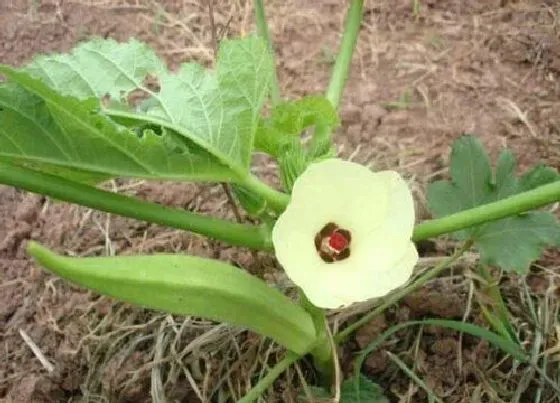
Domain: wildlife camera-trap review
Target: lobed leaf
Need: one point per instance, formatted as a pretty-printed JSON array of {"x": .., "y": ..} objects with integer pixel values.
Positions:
[
  {"x": 189, "y": 285},
  {"x": 199, "y": 125},
  {"x": 511, "y": 243}
]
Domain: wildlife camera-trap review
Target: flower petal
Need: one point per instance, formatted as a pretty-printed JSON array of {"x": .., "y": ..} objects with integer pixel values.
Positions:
[
  {"x": 360, "y": 281},
  {"x": 330, "y": 189},
  {"x": 293, "y": 239},
  {"x": 378, "y": 210}
]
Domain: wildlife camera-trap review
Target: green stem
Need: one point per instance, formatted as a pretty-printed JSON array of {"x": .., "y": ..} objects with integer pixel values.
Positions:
[
  {"x": 397, "y": 295},
  {"x": 344, "y": 57},
  {"x": 262, "y": 29},
  {"x": 517, "y": 204},
  {"x": 269, "y": 378},
  {"x": 323, "y": 359},
  {"x": 497, "y": 310},
  {"x": 275, "y": 199},
  {"x": 66, "y": 190}
]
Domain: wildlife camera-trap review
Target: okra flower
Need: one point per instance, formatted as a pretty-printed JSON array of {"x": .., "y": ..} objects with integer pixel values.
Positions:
[{"x": 346, "y": 233}]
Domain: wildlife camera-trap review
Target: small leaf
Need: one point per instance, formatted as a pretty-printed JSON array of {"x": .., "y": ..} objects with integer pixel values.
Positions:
[
  {"x": 368, "y": 392},
  {"x": 290, "y": 118},
  {"x": 189, "y": 285},
  {"x": 511, "y": 243},
  {"x": 292, "y": 162}
]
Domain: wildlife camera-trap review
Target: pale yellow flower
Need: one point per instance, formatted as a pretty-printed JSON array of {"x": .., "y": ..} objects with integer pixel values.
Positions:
[{"x": 346, "y": 233}]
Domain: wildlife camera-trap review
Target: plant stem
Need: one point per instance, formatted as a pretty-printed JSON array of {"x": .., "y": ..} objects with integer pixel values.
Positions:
[
  {"x": 269, "y": 378},
  {"x": 517, "y": 204},
  {"x": 397, "y": 295},
  {"x": 66, "y": 190},
  {"x": 497, "y": 310},
  {"x": 275, "y": 199},
  {"x": 262, "y": 29},
  {"x": 344, "y": 57},
  {"x": 323, "y": 355}
]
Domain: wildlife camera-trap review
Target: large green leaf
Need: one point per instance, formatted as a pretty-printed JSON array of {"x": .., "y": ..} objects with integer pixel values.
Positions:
[
  {"x": 216, "y": 110},
  {"x": 199, "y": 125},
  {"x": 66, "y": 136},
  {"x": 192, "y": 286},
  {"x": 511, "y": 243}
]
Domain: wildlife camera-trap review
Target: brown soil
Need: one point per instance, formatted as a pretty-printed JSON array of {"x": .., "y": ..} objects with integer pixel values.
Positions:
[{"x": 489, "y": 67}]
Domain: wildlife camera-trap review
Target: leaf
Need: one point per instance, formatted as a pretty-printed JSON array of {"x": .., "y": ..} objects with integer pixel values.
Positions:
[
  {"x": 292, "y": 162},
  {"x": 511, "y": 243},
  {"x": 290, "y": 118},
  {"x": 219, "y": 111},
  {"x": 63, "y": 135},
  {"x": 189, "y": 285},
  {"x": 516, "y": 242},
  {"x": 541, "y": 174},
  {"x": 296, "y": 158},
  {"x": 97, "y": 68},
  {"x": 369, "y": 392},
  {"x": 213, "y": 113}
]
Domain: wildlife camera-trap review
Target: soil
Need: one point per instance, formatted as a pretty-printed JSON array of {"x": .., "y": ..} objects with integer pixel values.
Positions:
[{"x": 418, "y": 81}]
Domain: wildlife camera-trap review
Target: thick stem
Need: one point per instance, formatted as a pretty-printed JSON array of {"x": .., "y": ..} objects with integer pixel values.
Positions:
[
  {"x": 323, "y": 355},
  {"x": 396, "y": 296},
  {"x": 276, "y": 200},
  {"x": 262, "y": 29},
  {"x": 66, "y": 190},
  {"x": 344, "y": 57},
  {"x": 323, "y": 361},
  {"x": 517, "y": 204}
]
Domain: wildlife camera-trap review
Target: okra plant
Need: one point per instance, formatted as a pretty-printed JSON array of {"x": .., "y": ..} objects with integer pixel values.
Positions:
[{"x": 342, "y": 233}]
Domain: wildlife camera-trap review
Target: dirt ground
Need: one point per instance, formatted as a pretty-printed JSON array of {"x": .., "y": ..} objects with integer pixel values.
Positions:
[{"x": 419, "y": 80}]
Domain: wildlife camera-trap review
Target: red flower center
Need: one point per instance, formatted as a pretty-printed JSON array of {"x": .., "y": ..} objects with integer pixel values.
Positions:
[
  {"x": 338, "y": 242},
  {"x": 333, "y": 243}
]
